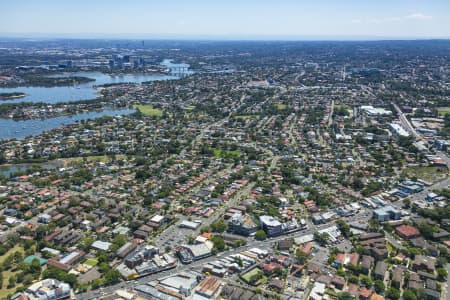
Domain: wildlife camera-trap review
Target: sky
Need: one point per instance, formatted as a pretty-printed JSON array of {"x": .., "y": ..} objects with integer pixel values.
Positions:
[{"x": 228, "y": 19}]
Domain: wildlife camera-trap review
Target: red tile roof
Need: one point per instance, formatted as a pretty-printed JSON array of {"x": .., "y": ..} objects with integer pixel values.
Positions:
[
  {"x": 365, "y": 293},
  {"x": 407, "y": 231}
]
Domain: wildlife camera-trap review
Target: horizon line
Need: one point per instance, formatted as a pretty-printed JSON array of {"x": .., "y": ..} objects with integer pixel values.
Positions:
[{"x": 205, "y": 37}]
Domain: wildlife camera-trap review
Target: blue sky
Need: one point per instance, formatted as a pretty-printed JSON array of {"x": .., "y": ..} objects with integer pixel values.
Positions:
[{"x": 226, "y": 18}]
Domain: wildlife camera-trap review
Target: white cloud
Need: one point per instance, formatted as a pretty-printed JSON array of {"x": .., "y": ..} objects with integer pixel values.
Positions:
[
  {"x": 419, "y": 16},
  {"x": 415, "y": 16}
]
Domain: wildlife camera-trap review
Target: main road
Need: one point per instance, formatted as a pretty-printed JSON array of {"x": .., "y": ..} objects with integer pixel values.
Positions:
[
  {"x": 180, "y": 268},
  {"x": 407, "y": 125}
]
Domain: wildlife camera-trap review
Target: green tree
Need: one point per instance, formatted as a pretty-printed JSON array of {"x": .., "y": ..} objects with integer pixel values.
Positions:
[
  {"x": 112, "y": 275},
  {"x": 393, "y": 293},
  {"x": 344, "y": 228},
  {"x": 219, "y": 226},
  {"x": 353, "y": 279},
  {"x": 118, "y": 242},
  {"x": 18, "y": 257},
  {"x": 204, "y": 229},
  {"x": 35, "y": 267},
  {"x": 11, "y": 281},
  {"x": 442, "y": 274},
  {"x": 365, "y": 280},
  {"x": 345, "y": 296},
  {"x": 301, "y": 256},
  {"x": 321, "y": 238},
  {"x": 52, "y": 272},
  {"x": 409, "y": 295},
  {"x": 85, "y": 243},
  {"x": 260, "y": 235},
  {"x": 218, "y": 242},
  {"x": 379, "y": 286}
]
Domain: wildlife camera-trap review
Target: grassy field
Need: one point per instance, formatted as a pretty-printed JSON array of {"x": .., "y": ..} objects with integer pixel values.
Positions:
[
  {"x": 281, "y": 106},
  {"x": 247, "y": 117},
  {"x": 189, "y": 108},
  {"x": 91, "y": 262},
  {"x": 227, "y": 153},
  {"x": 430, "y": 174},
  {"x": 4, "y": 291},
  {"x": 443, "y": 111},
  {"x": 11, "y": 251},
  {"x": 149, "y": 111}
]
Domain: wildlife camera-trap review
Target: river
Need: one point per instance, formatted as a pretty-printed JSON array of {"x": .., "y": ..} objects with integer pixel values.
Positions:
[
  {"x": 19, "y": 129},
  {"x": 87, "y": 91}
]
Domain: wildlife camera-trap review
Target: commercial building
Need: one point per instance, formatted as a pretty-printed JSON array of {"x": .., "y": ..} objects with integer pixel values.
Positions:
[
  {"x": 189, "y": 224},
  {"x": 67, "y": 261},
  {"x": 371, "y": 111},
  {"x": 100, "y": 245},
  {"x": 273, "y": 227},
  {"x": 398, "y": 130},
  {"x": 178, "y": 286},
  {"x": 126, "y": 249},
  {"x": 190, "y": 253},
  {"x": 209, "y": 288},
  {"x": 144, "y": 261},
  {"x": 270, "y": 225},
  {"x": 387, "y": 213},
  {"x": 47, "y": 289},
  {"x": 141, "y": 255},
  {"x": 242, "y": 224}
]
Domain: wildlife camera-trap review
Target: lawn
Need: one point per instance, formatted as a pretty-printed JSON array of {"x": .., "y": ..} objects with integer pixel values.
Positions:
[
  {"x": 190, "y": 107},
  {"x": 247, "y": 117},
  {"x": 11, "y": 251},
  {"x": 430, "y": 174},
  {"x": 91, "y": 262},
  {"x": 149, "y": 111},
  {"x": 227, "y": 153},
  {"x": 4, "y": 291},
  {"x": 281, "y": 106},
  {"x": 443, "y": 111}
]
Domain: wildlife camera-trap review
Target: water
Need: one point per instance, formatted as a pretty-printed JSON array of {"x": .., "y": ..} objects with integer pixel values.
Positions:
[
  {"x": 19, "y": 129},
  {"x": 87, "y": 91},
  {"x": 7, "y": 170}
]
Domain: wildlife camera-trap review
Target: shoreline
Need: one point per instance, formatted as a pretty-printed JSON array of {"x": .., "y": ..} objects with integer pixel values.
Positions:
[{"x": 11, "y": 96}]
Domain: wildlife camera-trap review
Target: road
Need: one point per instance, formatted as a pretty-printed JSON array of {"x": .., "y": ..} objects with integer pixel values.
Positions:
[
  {"x": 407, "y": 125},
  {"x": 444, "y": 184},
  {"x": 330, "y": 117},
  {"x": 251, "y": 244},
  {"x": 405, "y": 122}
]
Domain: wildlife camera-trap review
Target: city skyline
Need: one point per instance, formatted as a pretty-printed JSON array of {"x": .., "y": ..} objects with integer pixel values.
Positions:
[{"x": 289, "y": 20}]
